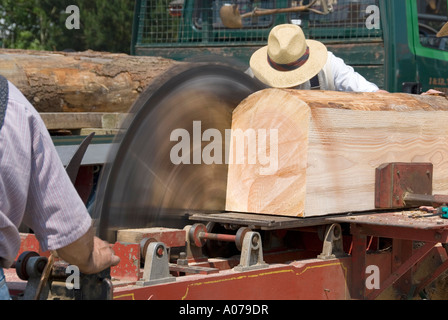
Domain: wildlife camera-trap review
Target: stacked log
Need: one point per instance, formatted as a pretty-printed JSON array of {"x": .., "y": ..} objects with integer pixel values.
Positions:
[{"x": 80, "y": 81}]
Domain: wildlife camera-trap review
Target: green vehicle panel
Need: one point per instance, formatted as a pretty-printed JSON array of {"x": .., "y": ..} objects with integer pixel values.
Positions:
[{"x": 391, "y": 43}]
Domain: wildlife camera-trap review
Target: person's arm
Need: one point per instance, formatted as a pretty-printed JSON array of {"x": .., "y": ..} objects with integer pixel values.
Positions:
[
  {"x": 54, "y": 210},
  {"x": 89, "y": 253},
  {"x": 432, "y": 92},
  {"x": 347, "y": 79}
]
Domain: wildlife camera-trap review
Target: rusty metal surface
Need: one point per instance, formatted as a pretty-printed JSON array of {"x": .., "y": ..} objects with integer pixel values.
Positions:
[
  {"x": 413, "y": 219},
  {"x": 259, "y": 221},
  {"x": 170, "y": 237},
  {"x": 394, "y": 180},
  {"x": 425, "y": 200},
  {"x": 129, "y": 267}
]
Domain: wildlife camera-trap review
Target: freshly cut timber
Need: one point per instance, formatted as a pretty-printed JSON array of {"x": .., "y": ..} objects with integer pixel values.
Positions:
[
  {"x": 317, "y": 152},
  {"x": 80, "y": 81}
]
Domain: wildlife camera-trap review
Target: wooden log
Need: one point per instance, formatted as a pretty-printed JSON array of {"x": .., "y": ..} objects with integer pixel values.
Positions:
[
  {"x": 329, "y": 145},
  {"x": 80, "y": 81}
]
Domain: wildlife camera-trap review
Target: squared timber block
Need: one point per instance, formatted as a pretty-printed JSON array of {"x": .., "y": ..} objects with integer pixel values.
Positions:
[
  {"x": 170, "y": 237},
  {"x": 393, "y": 181},
  {"x": 327, "y": 148}
]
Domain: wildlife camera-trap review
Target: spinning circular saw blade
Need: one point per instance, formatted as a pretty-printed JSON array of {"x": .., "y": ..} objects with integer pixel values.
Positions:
[{"x": 140, "y": 186}]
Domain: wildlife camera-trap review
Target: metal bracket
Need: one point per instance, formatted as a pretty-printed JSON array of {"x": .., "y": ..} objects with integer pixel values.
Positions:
[
  {"x": 156, "y": 268},
  {"x": 333, "y": 246},
  {"x": 251, "y": 253},
  {"x": 395, "y": 181},
  {"x": 47, "y": 280},
  {"x": 35, "y": 290},
  {"x": 192, "y": 250}
]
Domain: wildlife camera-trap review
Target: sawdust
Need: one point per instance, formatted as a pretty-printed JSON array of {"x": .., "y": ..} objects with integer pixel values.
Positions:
[{"x": 439, "y": 289}]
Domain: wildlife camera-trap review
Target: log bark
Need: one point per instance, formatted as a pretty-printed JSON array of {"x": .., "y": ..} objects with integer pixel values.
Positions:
[
  {"x": 80, "y": 81},
  {"x": 329, "y": 146}
]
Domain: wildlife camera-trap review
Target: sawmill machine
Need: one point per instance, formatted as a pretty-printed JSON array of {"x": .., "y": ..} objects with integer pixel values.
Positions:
[
  {"x": 169, "y": 225},
  {"x": 167, "y": 220}
]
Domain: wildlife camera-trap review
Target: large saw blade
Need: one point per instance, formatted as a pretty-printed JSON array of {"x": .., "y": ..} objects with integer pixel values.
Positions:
[{"x": 140, "y": 185}]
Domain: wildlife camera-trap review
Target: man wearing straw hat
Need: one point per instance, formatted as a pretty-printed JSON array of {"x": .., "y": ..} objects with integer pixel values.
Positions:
[{"x": 291, "y": 61}]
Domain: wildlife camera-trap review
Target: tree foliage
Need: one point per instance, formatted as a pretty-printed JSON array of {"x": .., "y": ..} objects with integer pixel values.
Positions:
[{"x": 105, "y": 25}]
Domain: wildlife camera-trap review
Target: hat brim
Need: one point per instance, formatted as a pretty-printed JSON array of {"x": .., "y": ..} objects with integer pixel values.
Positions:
[
  {"x": 444, "y": 31},
  {"x": 289, "y": 79}
]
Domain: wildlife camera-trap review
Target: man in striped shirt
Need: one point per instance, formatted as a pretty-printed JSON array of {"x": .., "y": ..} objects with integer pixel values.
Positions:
[{"x": 36, "y": 190}]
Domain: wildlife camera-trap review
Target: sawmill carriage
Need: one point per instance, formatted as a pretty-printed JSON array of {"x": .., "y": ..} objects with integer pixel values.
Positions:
[{"x": 338, "y": 219}]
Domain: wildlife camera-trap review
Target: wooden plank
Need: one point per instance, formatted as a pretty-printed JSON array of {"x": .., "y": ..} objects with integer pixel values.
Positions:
[
  {"x": 329, "y": 145},
  {"x": 170, "y": 237},
  {"x": 81, "y": 120},
  {"x": 62, "y": 120}
]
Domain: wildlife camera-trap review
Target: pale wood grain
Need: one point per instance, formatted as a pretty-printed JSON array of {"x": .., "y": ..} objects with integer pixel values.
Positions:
[{"x": 349, "y": 136}]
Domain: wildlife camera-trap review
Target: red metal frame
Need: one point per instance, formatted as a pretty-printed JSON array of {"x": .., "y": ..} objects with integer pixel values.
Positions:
[
  {"x": 314, "y": 279},
  {"x": 342, "y": 278},
  {"x": 404, "y": 234},
  {"x": 304, "y": 276}
]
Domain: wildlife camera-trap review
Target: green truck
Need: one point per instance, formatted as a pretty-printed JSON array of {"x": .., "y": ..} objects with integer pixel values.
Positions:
[{"x": 392, "y": 43}]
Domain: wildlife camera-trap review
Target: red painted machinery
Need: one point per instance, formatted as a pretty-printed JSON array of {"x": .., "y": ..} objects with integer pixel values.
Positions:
[{"x": 175, "y": 241}]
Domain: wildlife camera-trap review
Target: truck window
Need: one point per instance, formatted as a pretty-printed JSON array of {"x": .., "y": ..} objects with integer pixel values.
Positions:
[
  {"x": 159, "y": 21},
  {"x": 244, "y": 6},
  {"x": 432, "y": 15},
  {"x": 346, "y": 20}
]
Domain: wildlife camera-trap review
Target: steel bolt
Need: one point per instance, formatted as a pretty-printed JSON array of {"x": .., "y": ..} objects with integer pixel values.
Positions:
[
  {"x": 40, "y": 265},
  {"x": 182, "y": 261},
  {"x": 255, "y": 240},
  {"x": 159, "y": 251}
]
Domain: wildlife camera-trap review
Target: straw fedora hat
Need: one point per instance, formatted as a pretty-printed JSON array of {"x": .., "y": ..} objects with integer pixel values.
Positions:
[
  {"x": 289, "y": 59},
  {"x": 444, "y": 31}
]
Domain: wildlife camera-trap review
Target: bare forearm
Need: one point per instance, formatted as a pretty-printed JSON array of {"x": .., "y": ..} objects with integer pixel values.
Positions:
[{"x": 89, "y": 253}]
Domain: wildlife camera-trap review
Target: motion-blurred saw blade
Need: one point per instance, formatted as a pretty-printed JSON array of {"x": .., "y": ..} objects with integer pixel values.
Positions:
[{"x": 140, "y": 186}]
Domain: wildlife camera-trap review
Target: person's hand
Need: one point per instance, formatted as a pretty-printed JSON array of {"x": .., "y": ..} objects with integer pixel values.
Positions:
[
  {"x": 432, "y": 92},
  {"x": 428, "y": 209},
  {"x": 102, "y": 257},
  {"x": 89, "y": 253}
]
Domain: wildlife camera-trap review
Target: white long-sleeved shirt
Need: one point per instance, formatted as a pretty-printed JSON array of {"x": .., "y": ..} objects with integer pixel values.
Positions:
[
  {"x": 34, "y": 187},
  {"x": 338, "y": 76}
]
